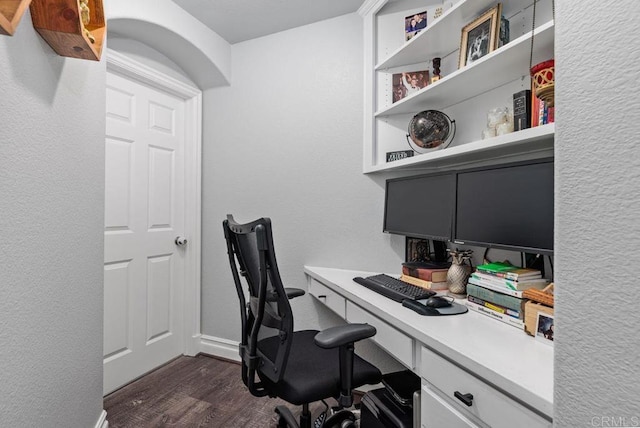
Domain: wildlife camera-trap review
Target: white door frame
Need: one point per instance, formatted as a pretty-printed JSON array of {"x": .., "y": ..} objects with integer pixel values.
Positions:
[{"x": 192, "y": 97}]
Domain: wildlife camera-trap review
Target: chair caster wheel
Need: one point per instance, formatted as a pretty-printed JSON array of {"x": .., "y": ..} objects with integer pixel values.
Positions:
[
  {"x": 341, "y": 419},
  {"x": 348, "y": 424}
]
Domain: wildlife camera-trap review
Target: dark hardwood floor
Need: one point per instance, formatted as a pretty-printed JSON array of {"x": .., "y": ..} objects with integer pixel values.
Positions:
[{"x": 196, "y": 391}]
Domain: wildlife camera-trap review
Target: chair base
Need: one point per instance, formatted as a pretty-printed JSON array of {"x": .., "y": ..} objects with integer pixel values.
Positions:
[{"x": 339, "y": 419}]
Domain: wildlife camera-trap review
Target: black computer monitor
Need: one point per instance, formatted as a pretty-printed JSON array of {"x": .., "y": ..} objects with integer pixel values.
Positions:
[
  {"x": 509, "y": 206},
  {"x": 420, "y": 206}
]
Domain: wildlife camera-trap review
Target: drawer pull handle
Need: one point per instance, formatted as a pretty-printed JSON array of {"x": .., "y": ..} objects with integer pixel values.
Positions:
[{"x": 465, "y": 398}]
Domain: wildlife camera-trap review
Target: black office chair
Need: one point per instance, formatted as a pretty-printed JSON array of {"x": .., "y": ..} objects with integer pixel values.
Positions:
[{"x": 299, "y": 367}]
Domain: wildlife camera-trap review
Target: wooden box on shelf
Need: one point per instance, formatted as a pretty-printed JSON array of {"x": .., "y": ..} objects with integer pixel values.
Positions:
[
  {"x": 59, "y": 22},
  {"x": 11, "y": 12},
  {"x": 539, "y": 301}
]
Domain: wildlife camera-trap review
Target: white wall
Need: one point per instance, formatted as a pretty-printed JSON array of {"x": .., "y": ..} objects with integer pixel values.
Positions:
[
  {"x": 285, "y": 141},
  {"x": 597, "y": 158},
  {"x": 148, "y": 56},
  {"x": 51, "y": 221}
]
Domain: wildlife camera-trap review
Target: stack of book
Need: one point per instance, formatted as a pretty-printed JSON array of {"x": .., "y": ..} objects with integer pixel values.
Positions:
[
  {"x": 425, "y": 275},
  {"x": 495, "y": 289}
]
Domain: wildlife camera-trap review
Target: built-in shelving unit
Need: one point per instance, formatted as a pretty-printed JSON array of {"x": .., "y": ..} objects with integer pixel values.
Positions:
[
  {"x": 59, "y": 22},
  {"x": 491, "y": 71},
  {"x": 11, "y": 12},
  {"x": 465, "y": 94}
]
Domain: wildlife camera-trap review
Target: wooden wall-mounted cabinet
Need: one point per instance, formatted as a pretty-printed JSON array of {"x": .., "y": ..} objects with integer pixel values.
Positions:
[
  {"x": 59, "y": 23},
  {"x": 11, "y": 12}
]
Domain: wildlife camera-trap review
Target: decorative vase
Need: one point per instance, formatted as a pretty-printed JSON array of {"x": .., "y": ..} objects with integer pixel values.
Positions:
[
  {"x": 458, "y": 273},
  {"x": 543, "y": 76}
]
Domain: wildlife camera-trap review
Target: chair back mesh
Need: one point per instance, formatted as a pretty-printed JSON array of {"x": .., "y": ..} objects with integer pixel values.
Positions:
[{"x": 265, "y": 309}]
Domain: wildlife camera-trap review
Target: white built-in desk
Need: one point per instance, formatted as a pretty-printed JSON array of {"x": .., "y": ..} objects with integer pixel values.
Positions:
[{"x": 509, "y": 373}]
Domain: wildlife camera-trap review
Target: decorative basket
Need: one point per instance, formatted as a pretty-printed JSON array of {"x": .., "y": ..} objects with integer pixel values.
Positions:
[{"x": 542, "y": 75}]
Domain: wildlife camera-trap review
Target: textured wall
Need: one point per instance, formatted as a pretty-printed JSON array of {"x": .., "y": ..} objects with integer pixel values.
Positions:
[
  {"x": 285, "y": 141},
  {"x": 597, "y": 210},
  {"x": 51, "y": 221}
]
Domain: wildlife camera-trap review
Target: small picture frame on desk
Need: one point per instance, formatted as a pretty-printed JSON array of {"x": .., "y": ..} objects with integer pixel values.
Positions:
[
  {"x": 480, "y": 36},
  {"x": 417, "y": 250},
  {"x": 544, "y": 328}
]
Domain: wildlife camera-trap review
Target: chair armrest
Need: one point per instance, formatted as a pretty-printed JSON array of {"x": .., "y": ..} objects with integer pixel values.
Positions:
[
  {"x": 334, "y": 337},
  {"x": 293, "y": 292}
]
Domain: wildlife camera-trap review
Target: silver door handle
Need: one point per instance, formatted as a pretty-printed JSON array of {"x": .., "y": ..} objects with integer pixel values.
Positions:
[{"x": 180, "y": 241}]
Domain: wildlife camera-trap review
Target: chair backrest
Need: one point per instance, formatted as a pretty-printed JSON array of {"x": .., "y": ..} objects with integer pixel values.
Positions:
[{"x": 268, "y": 313}]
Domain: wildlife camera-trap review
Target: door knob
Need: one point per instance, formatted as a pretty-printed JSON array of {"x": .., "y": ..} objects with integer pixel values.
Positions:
[{"x": 180, "y": 241}]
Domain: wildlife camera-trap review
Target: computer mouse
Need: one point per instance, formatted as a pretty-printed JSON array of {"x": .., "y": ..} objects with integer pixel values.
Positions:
[{"x": 437, "y": 302}]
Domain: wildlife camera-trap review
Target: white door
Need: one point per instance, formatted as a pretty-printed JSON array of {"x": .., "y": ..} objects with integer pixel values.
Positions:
[{"x": 144, "y": 214}]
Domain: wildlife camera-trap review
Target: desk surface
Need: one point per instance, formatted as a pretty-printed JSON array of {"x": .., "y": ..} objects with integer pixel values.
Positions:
[{"x": 501, "y": 355}]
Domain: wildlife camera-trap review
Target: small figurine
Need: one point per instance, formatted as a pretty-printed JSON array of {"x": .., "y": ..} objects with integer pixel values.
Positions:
[
  {"x": 459, "y": 272},
  {"x": 85, "y": 17},
  {"x": 436, "y": 70}
]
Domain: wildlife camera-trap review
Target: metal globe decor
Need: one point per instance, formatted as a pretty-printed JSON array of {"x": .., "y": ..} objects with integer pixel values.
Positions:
[{"x": 430, "y": 129}]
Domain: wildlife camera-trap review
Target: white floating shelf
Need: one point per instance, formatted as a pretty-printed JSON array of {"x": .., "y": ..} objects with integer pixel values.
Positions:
[
  {"x": 491, "y": 71},
  {"x": 439, "y": 38},
  {"x": 534, "y": 142}
]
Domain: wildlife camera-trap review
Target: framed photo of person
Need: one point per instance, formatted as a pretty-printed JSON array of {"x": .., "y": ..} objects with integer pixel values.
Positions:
[
  {"x": 480, "y": 36},
  {"x": 544, "y": 328},
  {"x": 408, "y": 83},
  {"x": 415, "y": 23}
]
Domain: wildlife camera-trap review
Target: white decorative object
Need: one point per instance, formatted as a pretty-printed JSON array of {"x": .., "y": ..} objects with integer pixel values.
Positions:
[{"x": 499, "y": 122}]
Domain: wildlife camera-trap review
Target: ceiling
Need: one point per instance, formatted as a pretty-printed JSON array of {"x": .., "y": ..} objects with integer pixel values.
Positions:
[{"x": 240, "y": 20}]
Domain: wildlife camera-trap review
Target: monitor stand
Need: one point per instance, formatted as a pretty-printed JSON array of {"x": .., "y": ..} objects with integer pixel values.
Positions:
[{"x": 440, "y": 255}]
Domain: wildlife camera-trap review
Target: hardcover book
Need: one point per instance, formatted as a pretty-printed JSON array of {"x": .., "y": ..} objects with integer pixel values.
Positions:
[
  {"x": 496, "y": 297},
  {"x": 427, "y": 274},
  {"x": 522, "y": 110},
  {"x": 492, "y": 286},
  {"x": 515, "y": 322},
  {"x": 521, "y": 285},
  {"x": 505, "y": 270},
  {"x": 429, "y": 285},
  {"x": 497, "y": 308}
]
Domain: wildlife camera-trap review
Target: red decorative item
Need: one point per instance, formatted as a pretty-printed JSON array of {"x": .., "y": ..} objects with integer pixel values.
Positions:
[{"x": 543, "y": 81}]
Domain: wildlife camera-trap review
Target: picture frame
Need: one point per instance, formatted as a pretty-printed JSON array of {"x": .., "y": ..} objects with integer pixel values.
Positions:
[
  {"x": 407, "y": 83},
  {"x": 414, "y": 23},
  {"x": 544, "y": 327},
  {"x": 417, "y": 250},
  {"x": 480, "y": 36}
]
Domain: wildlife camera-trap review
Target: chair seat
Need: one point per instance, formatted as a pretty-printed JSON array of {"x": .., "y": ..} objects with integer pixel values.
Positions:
[{"x": 313, "y": 373}]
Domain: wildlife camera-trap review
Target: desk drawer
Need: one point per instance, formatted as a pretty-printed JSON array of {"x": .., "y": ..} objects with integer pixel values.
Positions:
[
  {"x": 488, "y": 404},
  {"x": 437, "y": 412},
  {"x": 330, "y": 298},
  {"x": 393, "y": 341}
]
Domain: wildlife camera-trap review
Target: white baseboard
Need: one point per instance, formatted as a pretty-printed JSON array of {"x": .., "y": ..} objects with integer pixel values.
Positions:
[
  {"x": 219, "y": 347},
  {"x": 102, "y": 420}
]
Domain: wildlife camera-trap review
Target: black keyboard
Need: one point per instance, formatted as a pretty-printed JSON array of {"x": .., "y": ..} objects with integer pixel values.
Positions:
[{"x": 393, "y": 288}]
